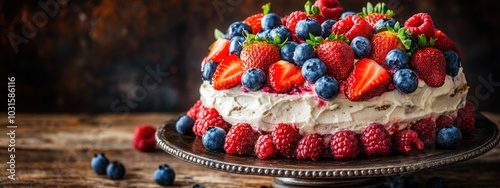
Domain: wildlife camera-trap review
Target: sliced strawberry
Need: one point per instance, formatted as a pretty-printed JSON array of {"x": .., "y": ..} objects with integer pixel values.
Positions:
[
  {"x": 219, "y": 50},
  {"x": 283, "y": 76},
  {"x": 228, "y": 73},
  {"x": 367, "y": 80}
]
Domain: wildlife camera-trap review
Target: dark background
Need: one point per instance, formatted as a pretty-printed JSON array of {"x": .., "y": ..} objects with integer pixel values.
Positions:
[{"x": 93, "y": 56}]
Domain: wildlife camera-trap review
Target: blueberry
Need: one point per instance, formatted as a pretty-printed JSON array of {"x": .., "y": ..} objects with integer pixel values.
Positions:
[
  {"x": 213, "y": 139},
  {"x": 302, "y": 53},
  {"x": 164, "y": 175},
  {"x": 452, "y": 63},
  {"x": 264, "y": 34},
  {"x": 99, "y": 163},
  {"x": 348, "y": 13},
  {"x": 238, "y": 29},
  {"x": 270, "y": 21},
  {"x": 414, "y": 42},
  {"x": 381, "y": 25},
  {"x": 115, "y": 170},
  {"x": 236, "y": 46},
  {"x": 397, "y": 182},
  {"x": 326, "y": 27},
  {"x": 405, "y": 80},
  {"x": 208, "y": 70},
  {"x": 396, "y": 59},
  {"x": 449, "y": 137},
  {"x": 326, "y": 87},
  {"x": 184, "y": 125},
  {"x": 282, "y": 32},
  {"x": 287, "y": 51},
  {"x": 313, "y": 69},
  {"x": 436, "y": 182},
  {"x": 253, "y": 79},
  {"x": 197, "y": 186},
  {"x": 361, "y": 47},
  {"x": 306, "y": 27}
]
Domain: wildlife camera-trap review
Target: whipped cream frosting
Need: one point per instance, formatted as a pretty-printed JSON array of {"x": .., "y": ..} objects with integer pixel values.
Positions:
[{"x": 396, "y": 111}]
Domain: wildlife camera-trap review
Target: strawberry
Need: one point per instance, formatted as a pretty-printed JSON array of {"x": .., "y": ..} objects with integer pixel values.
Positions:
[
  {"x": 430, "y": 66},
  {"x": 255, "y": 21},
  {"x": 330, "y": 9},
  {"x": 353, "y": 26},
  {"x": 337, "y": 56},
  {"x": 283, "y": 76},
  {"x": 259, "y": 55},
  {"x": 444, "y": 43},
  {"x": 419, "y": 24},
  {"x": 218, "y": 51},
  {"x": 373, "y": 14},
  {"x": 367, "y": 80},
  {"x": 228, "y": 73},
  {"x": 385, "y": 41}
]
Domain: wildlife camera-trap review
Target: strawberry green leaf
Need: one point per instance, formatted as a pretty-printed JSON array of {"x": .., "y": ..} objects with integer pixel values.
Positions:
[
  {"x": 310, "y": 42},
  {"x": 218, "y": 34},
  {"x": 422, "y": 41},
  {"x": 369, "y": 8},
  {"x": 266, "y": 8},
  {"x": 307, "y": 7},
  {"x": 276, "y": 39}
]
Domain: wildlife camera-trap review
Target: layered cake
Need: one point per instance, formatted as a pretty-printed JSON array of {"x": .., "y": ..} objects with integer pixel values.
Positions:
[{"x": 324, "y": 82}]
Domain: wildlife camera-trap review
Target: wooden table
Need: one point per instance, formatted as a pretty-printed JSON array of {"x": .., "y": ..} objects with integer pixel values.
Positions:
[{"x": 55, "y": 151}]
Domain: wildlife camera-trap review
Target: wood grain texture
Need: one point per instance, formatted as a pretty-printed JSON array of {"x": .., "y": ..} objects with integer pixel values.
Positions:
[{"x": 55, "y": 151}]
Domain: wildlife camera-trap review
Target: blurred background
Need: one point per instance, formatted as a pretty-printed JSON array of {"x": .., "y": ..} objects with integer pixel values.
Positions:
[{"x": 138, "y": 56}]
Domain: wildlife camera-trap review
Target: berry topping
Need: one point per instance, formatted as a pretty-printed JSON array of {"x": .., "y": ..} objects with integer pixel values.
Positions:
[
  {"x": 208, "y": 70},
  {"x": 444, "y": 121},
  {"x": 326, "y": 87},
  {"x": 385, "y": 41},
  {"x": 285, "y": 138},
  {"x": 184, "y": 125},
  {"x": 144, "y": 138},
  {"x": 406, "y": 141},
  {"x": 307, "y": 27},
  {"x": 376, "y": 140},
  {"x": 353, "y": 26},
  {"x": 405, "y": 80},
  {"x": 219, "y": 50},
  {"x": 444, "y": 43},
  {"x": 240, "y": 139},
  {"x": 449, "y": 137},
  {"x": 361, "y": 47},
  {"x": 193, "y": 111},
  {"x": 310, "y": 146},
  {"x": 426, "y": 130},
  {"x": 373, "y": 14},
  {"x": 330, "y": 9},
  {"x": 228, "y": 73},
  {"x": 214, "y": 138},
  {"x": 238, "y": 29},
  {"x": 236, "y": 46},
  {"x": 452, "y": 63},
  {"x": 282, "y": 33},
  {"x": 302, "y": 53},
  {"x": 326, "y": 28},
  {"x": 253, "y": 79},
  {"x": 255, "y": 21},
  {"x": 344, "y": 145},
  {"x": 465, "y": 120},
  {"x": 420, "y": 24},
  {"x": 367, "y": 80},
  {"x": 270, "y": 21},
  {"x": 283, "y": 76},
  {"x": 430, "y": 65},
  {"x": 287, "y": 51},
  {"x": 383, "y": 23},
  {"x": 293, "y": 18},
  {"x": 206, "y": 118},
  {"x": 164, "y": 175},
  {"x": 99, "y": 163},
  {"x": 397, "y": 59},
  {"x": 337, "y": 56},
  {"x": 259, "y": 55},
  {"x": 264, "y": 147},
  {"x": 313, "y": 69},
  {"x": 115, "y": 170}
]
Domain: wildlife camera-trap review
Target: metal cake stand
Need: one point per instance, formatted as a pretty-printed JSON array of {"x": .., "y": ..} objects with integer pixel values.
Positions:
[{"x": 361, "y": 172}]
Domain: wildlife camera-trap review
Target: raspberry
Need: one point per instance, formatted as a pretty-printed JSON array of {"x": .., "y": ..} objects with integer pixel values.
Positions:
[
  {"x": 264, "y": 147},
  {"x": 344, "y": 145},
  {"x": 465, "y": 120},
  {"x": 376, "y": 140},
  {"x": 407, "y": 140},
  {"x": 209, "y": 117},
  {"x": 420, "y": 23},
  {"x": 144, "y": 138},
  {"x": 426, "y": 130},
  {"x": 193, "y": 111},
  {"x": 240, "y": 139},
  {"x": 285, "y": 138},
  {"x": 469, "y": 105},
  {"x": 310, "y": 146},
  {"x": 330, "y": 9},
  {"x": 353, "y": 26},
  {"x": 444, "y": 121}
]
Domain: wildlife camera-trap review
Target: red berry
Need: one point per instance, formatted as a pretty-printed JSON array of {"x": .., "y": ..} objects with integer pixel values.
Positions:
[
  {"x": 144, "y": 138},
  {"x": 353, "y": 26},
  {"x": 444, "y": 121},
  {"x": 219, "y": 50},
  {"x": 444, "y": 43},
  {"x": 310, "y": 146},
  {"x": 285, "y": 138},
  {"x": 407, "y": 140},
  {"x": 382, "y": 43},
  {"x": 284, "y": 76},
  {"x": 293, "y": 18},
  {"x": 338, "y": 58},
  {"x": 367, "y": 80},
  {"x": 259, "y": 55},
  {"x": 254, "y": 22},
  {"x": 240, "y": 139},
  {"x": 193, "y": 111},
  {"x": 344, "y": 145},
  {"x": 228, "y": 73},
  {"x": 209, "y": 117},
  {"x": 430, "y": 66},
  {"x": 419, "y": 24},
  {"x": 264, "y": 147},
  {"x": 469, "y": 105},
  {"x": 465, "y": 120},
  {"x": 330, "y": 9},
  {"x": 376, "y": 140},
  {"x": 372, "y": 14},
  {"x": 426, "y": 130}
]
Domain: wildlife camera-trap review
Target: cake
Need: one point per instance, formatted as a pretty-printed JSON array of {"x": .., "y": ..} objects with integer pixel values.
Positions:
[{"x": 322, "y": 82}]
